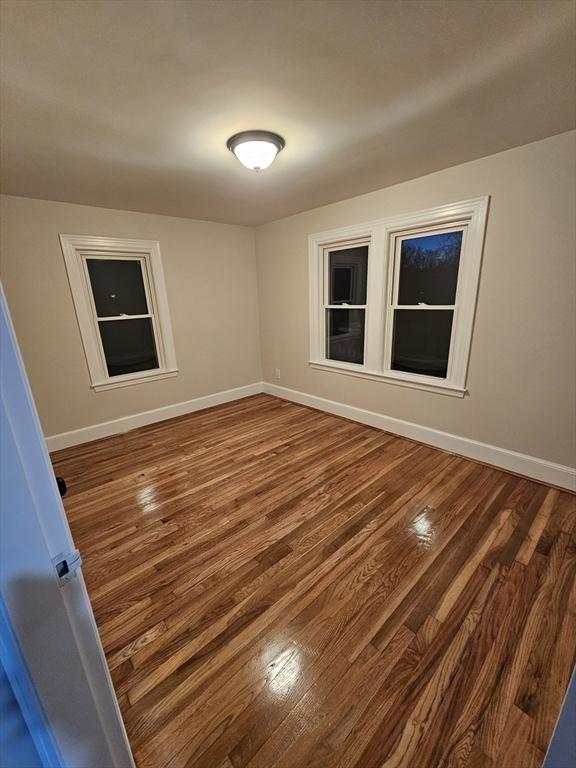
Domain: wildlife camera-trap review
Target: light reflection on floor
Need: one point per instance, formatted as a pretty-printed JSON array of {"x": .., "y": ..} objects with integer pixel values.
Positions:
[
  {"x": 424, "y": 529},
  {"x": 147, "y": 499},
  {"x": 288, "y": 673}
]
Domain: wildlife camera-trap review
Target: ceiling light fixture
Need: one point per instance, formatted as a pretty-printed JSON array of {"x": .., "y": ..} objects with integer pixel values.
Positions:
[{"x": 256, "y": 149}]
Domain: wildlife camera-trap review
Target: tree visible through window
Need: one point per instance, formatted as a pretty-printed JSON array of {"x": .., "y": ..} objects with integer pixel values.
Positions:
[
  {"x": 427, "y": 282},
  {"x": 395, "y": 298}
]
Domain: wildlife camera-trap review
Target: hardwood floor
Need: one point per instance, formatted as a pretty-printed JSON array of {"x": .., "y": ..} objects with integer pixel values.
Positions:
[{"x": 277, "y": 587}]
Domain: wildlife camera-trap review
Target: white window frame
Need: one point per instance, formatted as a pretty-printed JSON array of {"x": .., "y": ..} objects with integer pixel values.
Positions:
[
  {"x": 383, "y": 237},
  {"x": 77, "y": 249}
]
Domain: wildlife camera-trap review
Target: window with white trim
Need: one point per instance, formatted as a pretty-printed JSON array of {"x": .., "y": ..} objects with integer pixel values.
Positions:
[
  {"x": 122, "y": 309},
  {"x": 394, "y": 299}
]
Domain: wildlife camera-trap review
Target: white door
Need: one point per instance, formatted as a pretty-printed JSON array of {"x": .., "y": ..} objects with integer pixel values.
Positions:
[{"x": 52, "y": 621}]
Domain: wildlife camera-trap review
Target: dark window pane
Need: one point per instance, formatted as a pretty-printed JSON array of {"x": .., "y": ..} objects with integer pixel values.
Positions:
[
  {"x": 117, "y": 287},
  {"x": 128, "y": 345},
  {"x": 345, "y": 335},
  {"x": 422, "y": 341},
  {"x": 348, "y": 270},
  {"x": 429, "y": 269}
]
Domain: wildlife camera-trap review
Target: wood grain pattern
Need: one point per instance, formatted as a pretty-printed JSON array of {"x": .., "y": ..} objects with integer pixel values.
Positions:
[{"x": 277, "y": 587}]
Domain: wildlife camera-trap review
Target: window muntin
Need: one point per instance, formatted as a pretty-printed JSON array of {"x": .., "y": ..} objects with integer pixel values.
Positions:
[
  {"x": 345, "y": 301},
  {"x": 120, "y": 300},
  {"x": 422, "y": 282}
]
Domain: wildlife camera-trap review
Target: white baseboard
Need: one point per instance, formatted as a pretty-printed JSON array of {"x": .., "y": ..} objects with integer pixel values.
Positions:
[
  {"x": 115, "y": 427},
  {"x": 530, "y": 466},
  {"x": 519, "y": 463}
]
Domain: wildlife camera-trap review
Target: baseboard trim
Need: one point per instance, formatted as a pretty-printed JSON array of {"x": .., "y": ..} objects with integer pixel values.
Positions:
[
  {"x": 519, "y": 463},
  {"x": 124, "y": 424}
]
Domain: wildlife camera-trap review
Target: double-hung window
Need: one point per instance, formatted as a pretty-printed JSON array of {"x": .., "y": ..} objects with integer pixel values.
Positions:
[
  {"x": 345, "y": 287},
  {"x": 121, "y": 305},
  {"x": 394, "y": 299}
]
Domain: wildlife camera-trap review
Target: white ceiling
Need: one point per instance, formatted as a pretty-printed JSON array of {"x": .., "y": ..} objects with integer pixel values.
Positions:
[{"x": 128, "y": 104}]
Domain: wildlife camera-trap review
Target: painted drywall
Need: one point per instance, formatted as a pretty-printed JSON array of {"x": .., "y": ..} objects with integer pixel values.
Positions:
[
  {"x": 522, "y": 373},
  {"x": 210, "y": 272}
]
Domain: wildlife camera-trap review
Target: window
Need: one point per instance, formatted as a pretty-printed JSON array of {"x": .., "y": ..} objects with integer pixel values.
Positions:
[
  {"x": 121, "y": 305},
  {"x": 394, "y": 299},
  {"x": 345, "y": 302}
]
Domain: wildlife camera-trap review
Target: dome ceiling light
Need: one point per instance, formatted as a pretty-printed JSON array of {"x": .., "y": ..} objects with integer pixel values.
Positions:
[{"x": 256, "y": 149}]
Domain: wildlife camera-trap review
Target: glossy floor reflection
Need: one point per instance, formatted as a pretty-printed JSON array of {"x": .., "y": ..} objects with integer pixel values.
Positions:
[{"x": 277, "y": 587}]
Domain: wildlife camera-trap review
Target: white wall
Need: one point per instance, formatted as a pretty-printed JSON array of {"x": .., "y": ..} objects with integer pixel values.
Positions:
[
  {"x": 522, "y": 375},
  {"x": 210, "y": 272}
]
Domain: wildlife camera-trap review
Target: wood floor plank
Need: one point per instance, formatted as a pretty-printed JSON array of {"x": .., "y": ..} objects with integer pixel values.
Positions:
[
  {"x": 277, "y": 587},
  {"x": 516, "y": 750},
  {"x": 537, "y": 527},
  {"x": 428, "y": 704}
]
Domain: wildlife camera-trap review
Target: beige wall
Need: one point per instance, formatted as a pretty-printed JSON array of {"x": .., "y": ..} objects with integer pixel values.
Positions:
[
  {"x": 210, "y": 272},
  {"x": 522, "y": 375}
]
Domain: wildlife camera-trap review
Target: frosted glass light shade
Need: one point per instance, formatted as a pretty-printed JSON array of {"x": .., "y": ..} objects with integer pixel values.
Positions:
[
  {"x": 256, "y": 154},
  {"x": 255, "y": 149}
]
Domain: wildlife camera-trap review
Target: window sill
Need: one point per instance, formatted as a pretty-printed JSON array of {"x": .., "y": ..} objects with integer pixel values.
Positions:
[
  {"x": 101, "y": 386},
  {"x": 441, "y": 388}
]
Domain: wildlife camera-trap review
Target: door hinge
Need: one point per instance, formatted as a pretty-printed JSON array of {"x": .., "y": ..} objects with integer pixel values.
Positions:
[{"x": 66, "y": 566}]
